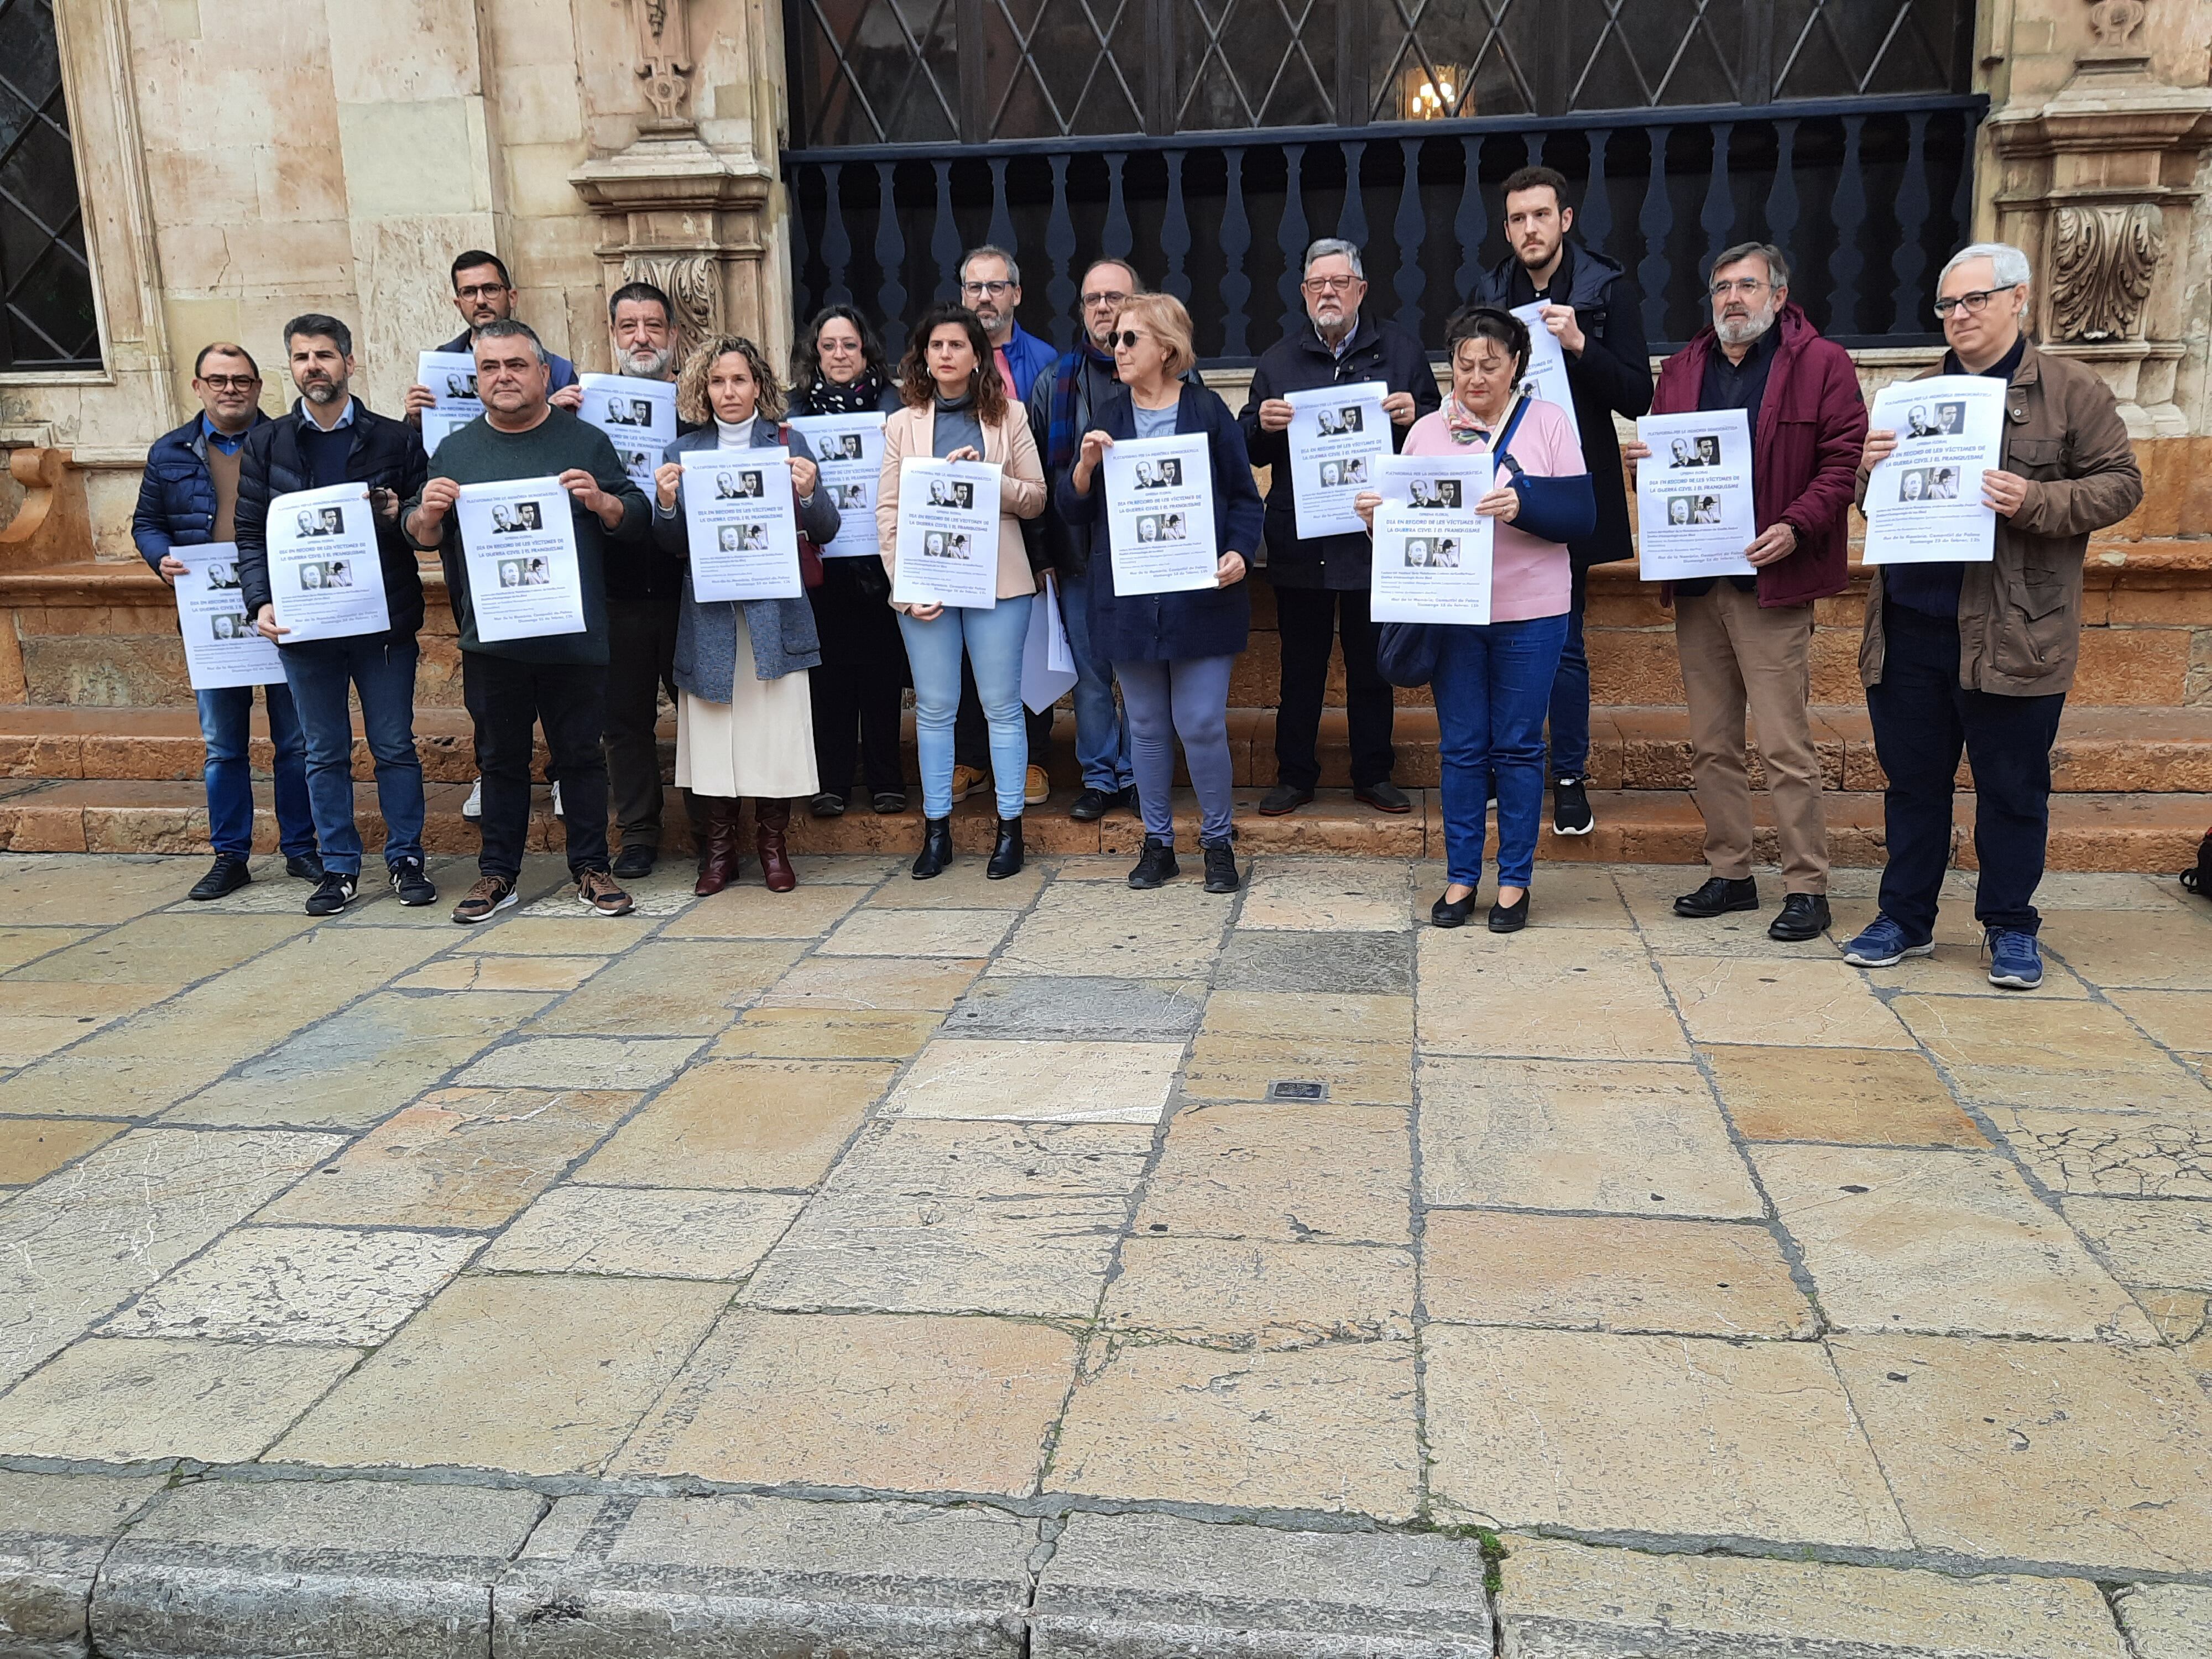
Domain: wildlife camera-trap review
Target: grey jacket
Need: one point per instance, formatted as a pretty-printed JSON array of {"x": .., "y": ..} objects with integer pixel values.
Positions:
[{"x": 783, "y": 633}]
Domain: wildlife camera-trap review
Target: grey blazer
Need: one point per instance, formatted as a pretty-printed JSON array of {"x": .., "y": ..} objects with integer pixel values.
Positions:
[{"x": 783, "y": 633}]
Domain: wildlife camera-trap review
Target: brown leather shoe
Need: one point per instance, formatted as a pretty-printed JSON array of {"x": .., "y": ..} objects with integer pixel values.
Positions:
[
  {"x": 770, "y": 820},
  {"x": 718, "y": 868}
]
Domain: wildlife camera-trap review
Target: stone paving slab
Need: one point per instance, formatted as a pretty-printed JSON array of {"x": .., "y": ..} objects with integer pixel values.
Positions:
[
  {"x": 55, "y": 1531},
  {"x": 2165, "y": 1621}
]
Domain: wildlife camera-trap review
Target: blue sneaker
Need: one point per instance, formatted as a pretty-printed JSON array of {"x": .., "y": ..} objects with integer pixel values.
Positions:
[
  {"x": 2016, "y": 961},
  {"x": 1884, "y": 944}
]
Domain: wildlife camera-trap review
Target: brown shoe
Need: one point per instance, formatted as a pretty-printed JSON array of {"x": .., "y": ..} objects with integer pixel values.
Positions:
[
  {"x": 770, "y": 820},
  {"x": 718, "y": 867},
  {"x": 599, "y": 892},
  {"x": 486, "y": 899},
  {"x": 966, "y": 780}
]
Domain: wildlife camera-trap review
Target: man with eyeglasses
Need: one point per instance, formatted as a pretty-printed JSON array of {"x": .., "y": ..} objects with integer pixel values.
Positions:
[
  {"x": 1980, "y": 657},
  {"x": 1320, "y": 583},
  {"x": 188, "y": 498},
  {"x": 1592, "y": 309}
]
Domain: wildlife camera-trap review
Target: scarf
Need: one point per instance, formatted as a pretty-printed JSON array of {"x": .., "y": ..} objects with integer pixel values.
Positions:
[
  {"x": 1061, "y": 438},
  {"x": 861, "y": 397},
  {"x": 1461, "y": 423}
]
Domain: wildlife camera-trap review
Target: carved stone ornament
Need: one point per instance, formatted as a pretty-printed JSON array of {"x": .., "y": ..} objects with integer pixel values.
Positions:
[
  {"x": 692, "y": 283},
  {"x": 2116, "y": 25},
  {"x": 664, "y": 59},
  {"x": 2103, "y": 260}
]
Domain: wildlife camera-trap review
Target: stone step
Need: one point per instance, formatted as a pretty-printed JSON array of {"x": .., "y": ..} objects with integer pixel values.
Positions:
[{"x": 2152, "y": 832}]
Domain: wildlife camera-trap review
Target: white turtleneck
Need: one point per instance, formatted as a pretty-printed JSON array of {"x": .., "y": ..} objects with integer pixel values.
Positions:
[{"x": 735, "y": 435}]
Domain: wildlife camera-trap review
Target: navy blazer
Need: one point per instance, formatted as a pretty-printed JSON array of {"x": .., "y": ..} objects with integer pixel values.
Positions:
[
  {"x": 1214, "y": 621},
  {"x": 176, "y": 497}
]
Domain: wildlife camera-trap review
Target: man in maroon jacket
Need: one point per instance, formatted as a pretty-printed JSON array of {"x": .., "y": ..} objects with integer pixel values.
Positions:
[{"x": 1748, "y": 639}]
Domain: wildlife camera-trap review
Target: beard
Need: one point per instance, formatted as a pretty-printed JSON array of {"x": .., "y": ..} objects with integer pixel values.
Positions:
[
  {"x": 322, "y": 392},
  {"x": 647, "y": 364},
  {"x": 1743, "y": 331}
]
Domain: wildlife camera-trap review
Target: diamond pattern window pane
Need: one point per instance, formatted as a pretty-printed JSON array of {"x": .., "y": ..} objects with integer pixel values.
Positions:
[
  {"x": 46, "y": 316},
  {"x": 1256, "y": 63},
  {"x": 1837, "y": 48},
  {"x": 876, "y": 71},
  {"x": 1064, "y": 66},
  {"x": 1454, "y": 58}
]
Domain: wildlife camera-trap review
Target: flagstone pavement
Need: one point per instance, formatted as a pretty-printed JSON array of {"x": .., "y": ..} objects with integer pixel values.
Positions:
[{"x": 1626, "y": 1246}]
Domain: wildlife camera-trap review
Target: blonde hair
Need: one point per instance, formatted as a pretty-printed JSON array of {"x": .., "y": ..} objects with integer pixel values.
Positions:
[
  {"x": 1163, "y": 313},
  {"x": 691, "y": 381}
]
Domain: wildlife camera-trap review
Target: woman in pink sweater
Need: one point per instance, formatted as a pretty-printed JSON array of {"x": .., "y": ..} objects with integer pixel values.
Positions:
[{"x": 1493, "y": 683}]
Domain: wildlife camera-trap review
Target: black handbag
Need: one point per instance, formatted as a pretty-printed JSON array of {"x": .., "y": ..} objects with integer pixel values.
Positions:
[{"x": 2198, "y": 878}]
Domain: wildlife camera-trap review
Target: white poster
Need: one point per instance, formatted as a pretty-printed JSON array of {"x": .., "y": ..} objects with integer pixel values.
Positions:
[
  {"x": 520, "y": 544},
  {"x": 439, "y": 424},
  {"x": 948, "y": 533},
  {"x": 1337, "y": 434},
  {"x": 1432, "y": 564},
  {"x": 451, "y": 378},
  {"x": 1159, "y": 514},
  {"x": 1547, "y": 377},
  {"x": 1047, "y": 662},
  {"x": 849, "y": 450},
  {"x": 740, "y": 524},
  {"x": 1446, "y": 483},
  {"x": 325, "y": 578},
  {"x": 1924, "y": 503},
  {"x": 638, "y": 416},
  {"x": 222, "y": 647},
  {"x": 1694, "y": 515}
]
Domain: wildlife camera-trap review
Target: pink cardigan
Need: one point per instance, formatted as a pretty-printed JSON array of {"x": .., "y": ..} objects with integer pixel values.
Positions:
[{"x": 1528, "y": 577}]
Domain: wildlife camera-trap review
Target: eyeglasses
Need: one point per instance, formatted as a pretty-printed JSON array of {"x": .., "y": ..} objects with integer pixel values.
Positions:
[
  {"x": 1330, "y": 284},
  {"x": 231, "y": 382},
  {"x": 1091, "y": 301},
  {"x": 481, "y": 291},
  {"x": 1746, "y": 286},
  {"x": 994, "y": 289},
  {"x": 1976, "y": 302}
]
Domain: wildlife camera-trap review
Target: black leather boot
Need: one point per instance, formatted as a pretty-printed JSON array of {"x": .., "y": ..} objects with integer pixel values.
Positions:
[
  {"x": 936, "y": 848},
  {"x": 1006, "y": 853}
]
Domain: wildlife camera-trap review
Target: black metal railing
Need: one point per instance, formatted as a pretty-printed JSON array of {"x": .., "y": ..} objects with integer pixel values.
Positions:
[{"x": 1867, "y": 196}]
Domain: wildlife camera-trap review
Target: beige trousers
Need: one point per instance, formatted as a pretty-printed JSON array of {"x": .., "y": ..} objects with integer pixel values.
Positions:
[{"x": 1735, "y": 654}]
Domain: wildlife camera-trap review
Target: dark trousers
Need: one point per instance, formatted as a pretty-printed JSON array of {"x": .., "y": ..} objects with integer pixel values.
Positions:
[
  {"x": 971, "y": 733},
  {"x": 506, "y": 699},
  {"x": 1921, "y": 719},
  {"x": 379, "y": 668},
  {"x": 1309, "y": 618},
  {"x": 640, "y": 664},
  {"x": 858, "y": 689},
  {"x": 1570, "y": 692}
]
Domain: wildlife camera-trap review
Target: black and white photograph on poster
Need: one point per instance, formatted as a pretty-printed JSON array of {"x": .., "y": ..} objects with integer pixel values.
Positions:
[
  {"x": 623, "y": 410},
  {"x": 222, "y": 647},
  {"x": 1434, "y": 495},
  {"x": 638, "y": 416},
  {"x": 1433, "y": 483},
  {"x": 235, "y": 626},
  {"x": 326, "y": 578},
  {"x": 1336, "y": 432},
  {"x": 848, "y": 451},
  {"x": 1161, "y": 532},
  {"x": 509, "y": 532},
  {"x": 1688, "y": 527},
  {"x": 740, "y": 524},
  {"x": 1432, "y": 552},
  {"x": 1430, "y": 566},
  {"x": 1923, "y": 500},
  {"x": 634, "y": 461},
  {"x": 1545, "y": 377},
  {"x": 945, "y": 500},
  {"x": 460, "y": 387},
  {"x": 451, "y": 377},
  {"x": 222, "y": 575}
]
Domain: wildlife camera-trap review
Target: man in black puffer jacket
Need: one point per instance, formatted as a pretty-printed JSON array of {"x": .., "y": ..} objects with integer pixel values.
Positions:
[{"x": 332, "y": 437}]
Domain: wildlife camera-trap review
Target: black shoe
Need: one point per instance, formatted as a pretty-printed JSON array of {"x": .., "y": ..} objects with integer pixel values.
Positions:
[
  {"x": 1283, "y": 798},
  {"x": 827, "y": 804},
  {"x": 1384, "y": 797},
  {"x": 1570, "y": 808},
  {"x": 1006, "y": 852},
  {"x": 305, "y": 866},
  {"x": 1126, "y": 798},
  {"x": 332, "y": 894},
  {"x": 1221, "y": 875},
  {"x": 1511, "y": 918},
  {"x": 227, "y": 875},
  {"x": 888, "y": 801},
  {"x": 1718, "y": 896},
  {"x": 1093, "y": 804},
  {"x": 1804, "y": 915},
  {"x": 634, "y": 861},
  {"x": 936, "y": 848},
  {"x": 1155, "y": 865},
  {"x": 1450, "y": 912},
  {"x": 410, "y": 883}
]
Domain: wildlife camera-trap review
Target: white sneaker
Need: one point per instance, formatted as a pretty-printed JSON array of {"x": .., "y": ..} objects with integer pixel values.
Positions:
[
  {"x": 472, "y": 808},
  {"x": 557, "y": 812}
]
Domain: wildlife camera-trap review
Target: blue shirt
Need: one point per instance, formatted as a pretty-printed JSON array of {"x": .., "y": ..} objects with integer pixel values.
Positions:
[
  {"x": 1155, "y": 422},
  {"x": 229, "y": 442},
  {"x": 1933, "y": 589}
]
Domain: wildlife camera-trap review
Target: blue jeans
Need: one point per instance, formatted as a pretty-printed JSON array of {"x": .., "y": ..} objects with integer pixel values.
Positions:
[
  {"x": 1491, "y": 687},
  {"x": 226, "y": 728},
  {"x": 1101, "y": 729},
  {"x": 382, "y": 666},
  {"x": 1570, "y": 694},
  {"x": 994, "y": 640},
  {"x": 1187, "y": 699}
]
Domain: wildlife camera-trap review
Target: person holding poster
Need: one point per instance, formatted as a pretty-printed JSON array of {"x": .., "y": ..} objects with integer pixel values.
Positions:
[
  {"x": 956, "y": 409},
  {"x": 1321, "y": 582},
  {"x": 1493, "y": 681},
  {"x": 1172, "y": 648},
  {"x": 744, "y": 722},
  {"x": 482, "y": 293},
  {"x": 332, "y": 440},
  {"x": 1979, "y": 656},
  {"x": 838, "y": 370},
  {"x": 1746, "y": 641},
  {"x": 559, "y": 680}
]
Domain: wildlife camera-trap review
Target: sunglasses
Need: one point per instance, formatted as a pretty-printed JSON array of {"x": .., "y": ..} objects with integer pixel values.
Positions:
[{"x": 1127, "y": 336}]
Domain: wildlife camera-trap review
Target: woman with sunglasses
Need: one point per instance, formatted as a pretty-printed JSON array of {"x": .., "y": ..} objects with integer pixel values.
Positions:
[
  {"x": 1493, "y": 682},
  {"x": 1172, "y": 652}
]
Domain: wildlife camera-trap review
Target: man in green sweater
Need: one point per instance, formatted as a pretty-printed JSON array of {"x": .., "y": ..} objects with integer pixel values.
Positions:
[{"x": 556, "y": 680}]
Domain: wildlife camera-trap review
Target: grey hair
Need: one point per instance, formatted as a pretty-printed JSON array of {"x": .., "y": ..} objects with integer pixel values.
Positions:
[
  {"x": 1778, "y": 262},
  {"x": 991, "y": 251},
  {"x": 1331, "y": 248},
  {"x": 2008, "y": 264},
  {"x": 506, "y": 328}
]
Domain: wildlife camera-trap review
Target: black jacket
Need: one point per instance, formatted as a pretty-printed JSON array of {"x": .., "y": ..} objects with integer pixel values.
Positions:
[
  {"x": 1612, "y": 377},
  {"x": 1299, "y": 362},
  {"x": 652, "y": 574},
  {"x": 387, "y": 454}
]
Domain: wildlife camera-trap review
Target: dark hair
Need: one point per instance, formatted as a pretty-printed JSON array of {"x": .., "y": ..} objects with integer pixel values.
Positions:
[
  {"x": 691, "y": 400},
  {"x": 508, "y": 328},
  {"x": 1539, "y": 178},
  {"x": 1488, "y": 323},
  {"x": 918, "y": 387},
  {"x": 313, "y": 323},
  {"x": 806, "y": 355},
  {"x": 224, "y": 349},
  {"x": 643, "y": 293},
  {"x": 472, "y": 258}
]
